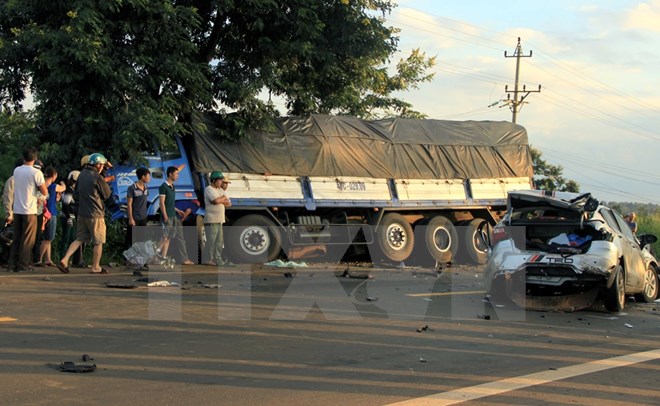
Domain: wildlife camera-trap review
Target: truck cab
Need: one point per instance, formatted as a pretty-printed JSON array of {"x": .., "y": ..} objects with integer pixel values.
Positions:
[{"x": 157, "y": 161}]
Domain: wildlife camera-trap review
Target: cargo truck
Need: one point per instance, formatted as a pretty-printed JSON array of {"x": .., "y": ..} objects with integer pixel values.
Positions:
[{"x": 401, "y": 188}]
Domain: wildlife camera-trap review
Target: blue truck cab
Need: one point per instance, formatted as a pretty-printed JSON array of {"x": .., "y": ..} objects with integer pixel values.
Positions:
[{"x": 157, "y": 161}]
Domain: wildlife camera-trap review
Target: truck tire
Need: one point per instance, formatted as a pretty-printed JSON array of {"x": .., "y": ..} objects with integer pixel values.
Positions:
[
  {"x": 473, "y": 248},
  {"x": 253, "y": 239},
  {"x": 438, "y": 238},
  {"x": 614, "y": 298},
  {"x": 394, "y": 238}
]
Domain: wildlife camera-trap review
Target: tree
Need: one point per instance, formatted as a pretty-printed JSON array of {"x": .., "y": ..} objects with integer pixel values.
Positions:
[
  {"x": 120, "y": 75},
  {"x": 16, "y": 131},
  {"x": 549, "y": 177}
]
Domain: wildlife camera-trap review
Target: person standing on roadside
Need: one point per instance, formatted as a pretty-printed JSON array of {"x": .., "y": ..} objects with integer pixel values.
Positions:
[
  {"x": 137, "y": 197},
  {"x": 90, "y": 193},
  {"x": 215, "y": 199},
  {"x": 41, "y": 203},
  {"x": 27, "y": 182},
  {"x": 169, "y": 217},
  {"x": 68, "y": 214},
  {"x": 78, "y": 258},
  {"x": 8, "y": 196},
  {"x": 631, "y": 220},
  {"x": 54, "y": 189}
]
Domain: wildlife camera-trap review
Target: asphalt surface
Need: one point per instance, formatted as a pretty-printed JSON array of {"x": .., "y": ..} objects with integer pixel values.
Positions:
[{"x": 325, "y": 334}]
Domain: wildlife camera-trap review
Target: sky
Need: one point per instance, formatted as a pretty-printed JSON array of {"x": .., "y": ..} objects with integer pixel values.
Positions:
[{"x": 598, "y": 62}]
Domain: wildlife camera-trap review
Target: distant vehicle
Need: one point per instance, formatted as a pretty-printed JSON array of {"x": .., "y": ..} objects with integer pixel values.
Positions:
[{"x": 567, "y": 249}]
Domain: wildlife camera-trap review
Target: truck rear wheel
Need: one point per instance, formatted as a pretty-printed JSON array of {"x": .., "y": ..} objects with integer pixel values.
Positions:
[
  {"x": 439, "y": 238},
  {"x": 473, "y": 247},
  {"x": 394, "y": 238},
  {"x": 253, "y": 239}
]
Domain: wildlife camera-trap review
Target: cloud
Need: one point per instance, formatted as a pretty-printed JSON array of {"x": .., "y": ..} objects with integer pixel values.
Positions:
[
  {"x": 644, "y": 16},
  {"x": 428, "y": 33}
]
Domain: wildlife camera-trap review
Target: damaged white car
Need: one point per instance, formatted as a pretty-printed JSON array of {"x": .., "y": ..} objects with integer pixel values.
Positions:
[{"x": 564, "y": 250}]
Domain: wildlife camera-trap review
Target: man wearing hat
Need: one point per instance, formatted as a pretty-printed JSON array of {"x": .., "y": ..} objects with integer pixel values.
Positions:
[
  {"x": 91, "y": 193},
  {"x": 216, "y": 199}
]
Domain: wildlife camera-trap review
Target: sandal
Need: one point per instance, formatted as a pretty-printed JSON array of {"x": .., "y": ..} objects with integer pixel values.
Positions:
[
  {"x": 103, "y": 271},
  {"x": 63, "y": 268}
]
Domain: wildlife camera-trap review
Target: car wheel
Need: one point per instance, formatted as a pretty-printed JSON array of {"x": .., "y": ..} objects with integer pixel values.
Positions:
[
  {"x": 650, "y": 292},
  {"x": 615, "y": 296}
]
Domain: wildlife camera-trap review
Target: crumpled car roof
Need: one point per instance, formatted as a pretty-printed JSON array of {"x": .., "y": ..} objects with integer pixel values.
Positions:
[{"x": 578, "y": 202}]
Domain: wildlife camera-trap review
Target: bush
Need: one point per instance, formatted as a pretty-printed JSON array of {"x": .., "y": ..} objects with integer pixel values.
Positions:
[
  {"x": 650, "y": 224},
  {"x": 115, "y": 234}
]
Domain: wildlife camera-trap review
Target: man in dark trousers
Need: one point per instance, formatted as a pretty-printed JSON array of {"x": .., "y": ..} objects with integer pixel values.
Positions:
[
  {"x": 169, "y": 217},
  {"x": 137, "y": 197},
  {"x": 27, "y": 181},
  {"x": 91, "y": 192}
]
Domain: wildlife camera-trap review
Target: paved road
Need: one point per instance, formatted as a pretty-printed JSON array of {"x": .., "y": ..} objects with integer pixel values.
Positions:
[{"x": 312, "y": 337}]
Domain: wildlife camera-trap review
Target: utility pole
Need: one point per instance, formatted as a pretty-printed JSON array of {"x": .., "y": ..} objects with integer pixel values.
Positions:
[{"x": 516, "y": 103}]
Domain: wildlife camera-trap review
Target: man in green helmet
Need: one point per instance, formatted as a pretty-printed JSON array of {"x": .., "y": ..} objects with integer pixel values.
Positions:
[{"x": 91, "y": 192}]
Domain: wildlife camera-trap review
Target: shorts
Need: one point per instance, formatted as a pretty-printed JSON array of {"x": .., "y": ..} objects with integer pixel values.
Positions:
[
  {"x": 171, "y": 227},
  {"x": 51, "y": 228},
  {"x": 91, "y": 230}
]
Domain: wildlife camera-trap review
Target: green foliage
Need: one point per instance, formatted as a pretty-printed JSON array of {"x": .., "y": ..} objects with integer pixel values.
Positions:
[
  {"x": 119, "y": 76},
  {"x": 109, "y": 76},
  {"x": 648, "y": 218},
  {"x": 649, "y": 223},
  {"x": 550, "y": 177},
  {"x": 16, "y": 131},
  {"x": 113, "y": 249}
]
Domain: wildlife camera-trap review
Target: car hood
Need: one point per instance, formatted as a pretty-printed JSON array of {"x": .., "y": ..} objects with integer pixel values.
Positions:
[{"x": 579, "y": 202}]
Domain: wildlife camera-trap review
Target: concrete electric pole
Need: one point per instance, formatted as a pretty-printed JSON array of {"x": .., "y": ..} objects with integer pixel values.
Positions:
[{"x": 516, "y": 103}]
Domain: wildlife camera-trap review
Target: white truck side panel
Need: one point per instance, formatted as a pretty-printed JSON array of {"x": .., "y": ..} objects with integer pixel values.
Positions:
[
  {"x": 497, "y": 188},
  {"x": 430, "y": 189},
  {"x": 349, "y": 188},
  {"x": 251, "y": 186}
]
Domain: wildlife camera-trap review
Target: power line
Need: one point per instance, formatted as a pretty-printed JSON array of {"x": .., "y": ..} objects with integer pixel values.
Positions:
[
  {"x": 599, "y": 165},
  {"x": 481, "y": 39},
  {"x": 604, "y": 187},
  {"x": 605, "y": 119},
  {"x": 595, "y": 94},
  {"x": 574, "y": 71}
]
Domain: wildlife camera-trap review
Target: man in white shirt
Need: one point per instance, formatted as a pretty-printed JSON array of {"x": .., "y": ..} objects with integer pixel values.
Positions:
[
  {"x": 27, "y": 182},
  {"x": 216, "y": 199}
]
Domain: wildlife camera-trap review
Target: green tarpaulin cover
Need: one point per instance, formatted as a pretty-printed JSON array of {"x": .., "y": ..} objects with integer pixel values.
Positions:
[{"x": 323, "y": 145}]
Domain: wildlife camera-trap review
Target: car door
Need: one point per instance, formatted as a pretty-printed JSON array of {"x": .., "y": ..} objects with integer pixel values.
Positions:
[{"x": 634, "y": 262}]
